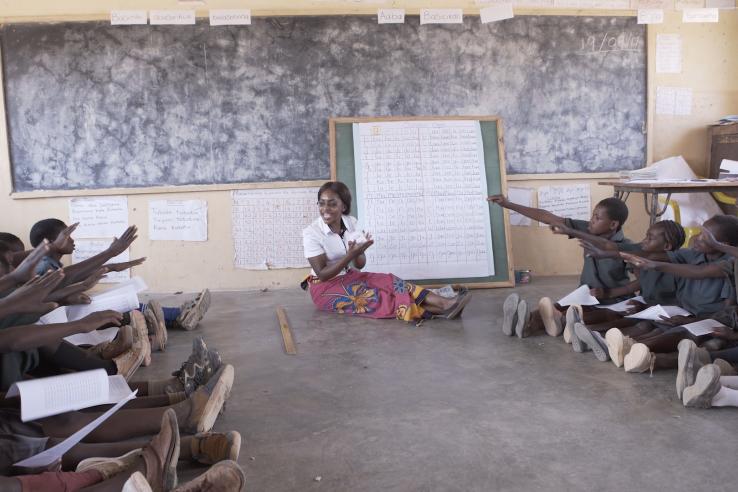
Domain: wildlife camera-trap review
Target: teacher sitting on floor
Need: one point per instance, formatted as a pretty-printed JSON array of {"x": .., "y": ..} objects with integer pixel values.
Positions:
[{"x": 335, "y": 249}]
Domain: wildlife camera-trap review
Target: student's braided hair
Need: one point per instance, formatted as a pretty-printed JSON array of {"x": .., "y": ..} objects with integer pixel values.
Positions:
[
  {"x": 673, "y": 233},
  {"x": 727, "y": 228}
]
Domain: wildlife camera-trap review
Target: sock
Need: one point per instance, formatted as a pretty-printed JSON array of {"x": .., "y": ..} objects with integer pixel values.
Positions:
[
  {"x": 729, "y": 381},
  {"x": 726, "y": 397}
]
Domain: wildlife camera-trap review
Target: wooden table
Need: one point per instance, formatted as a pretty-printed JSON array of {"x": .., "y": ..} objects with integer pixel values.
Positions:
[{"x": 651, "y": 191}]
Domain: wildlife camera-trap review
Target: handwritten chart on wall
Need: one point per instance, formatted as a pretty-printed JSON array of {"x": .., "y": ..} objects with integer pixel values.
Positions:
[
  {"x": 177, "y": 105},
  {"x": 267, "y": 226},
  {"x": 413, "y": 178}
]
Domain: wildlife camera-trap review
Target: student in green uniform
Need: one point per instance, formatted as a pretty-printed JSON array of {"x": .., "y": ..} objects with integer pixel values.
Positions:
[{"x": 607, "y": 278}]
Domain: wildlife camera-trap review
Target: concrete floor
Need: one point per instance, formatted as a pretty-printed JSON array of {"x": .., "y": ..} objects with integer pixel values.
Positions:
[{"x": 371, "y": 405}]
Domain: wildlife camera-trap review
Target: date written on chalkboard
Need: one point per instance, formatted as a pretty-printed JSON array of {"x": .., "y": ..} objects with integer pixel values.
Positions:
[{"x": 610, "y": 41}]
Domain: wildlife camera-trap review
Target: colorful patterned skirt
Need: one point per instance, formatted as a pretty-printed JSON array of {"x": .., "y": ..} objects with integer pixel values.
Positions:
[{"x": 374, "y": 295}]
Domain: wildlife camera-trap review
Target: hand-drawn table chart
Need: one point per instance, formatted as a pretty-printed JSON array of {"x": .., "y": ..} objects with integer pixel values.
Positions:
[{"x": 420, "y": 186}]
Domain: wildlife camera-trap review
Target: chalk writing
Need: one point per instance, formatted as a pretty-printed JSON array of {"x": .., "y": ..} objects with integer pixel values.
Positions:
[{"x": 609, "y": 42}]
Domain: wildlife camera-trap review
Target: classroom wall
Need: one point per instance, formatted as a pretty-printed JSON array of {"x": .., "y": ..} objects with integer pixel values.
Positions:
[{"x": 172, "y": 266}]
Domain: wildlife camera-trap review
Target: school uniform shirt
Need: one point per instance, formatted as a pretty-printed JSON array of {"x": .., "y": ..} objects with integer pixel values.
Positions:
[
  {"x": 47, "y": 263},
  {"x": 703, "y": 296},
  {"x": 318, "y": 239},
  {"x": 656, "y": 287},
  {"x": 605, "y": 273}
]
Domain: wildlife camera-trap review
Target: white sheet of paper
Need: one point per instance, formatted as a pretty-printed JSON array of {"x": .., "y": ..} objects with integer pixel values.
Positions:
[
  {"x": 441, "y": 16},
  {"x": 571, "y": 201},
  {"x": 178, "y": 220},
  {"x": 58, "y": 315},
  {"x": 683, "y": 101},
  {"x": 657, "y": 312},
  {"x": 429, "y": 170},
  {"x": 87, "y": 248},
  {"x": 653, "y": 4},
  {"x": 720, "y": 4},
  {"x": 688, "y": 4},
  {"x": 701, "y": 15},
  {"x": 172, "y": 17},
  {"x": 592, "y": 4},
  {"x": 621, "y": 306},
  {"x": 665, "y": 100},
  {"x": 580, "y": 296},
  {"x": 128, "y": 17},
  {"x": 728, "y": 166},
  {"x": 533, "y": 3},
  {"x": 53, "y": 395},
  {"x": 54, "y": 453},
  {"x": 267, "y": 226},
  {"x": 521, "y": 196},
  {"x": 230, "y": 17},
  {"x": 668, "y": 53},
  {"x": 703, "y": 327},
  {"x": 496, "y": 12},
  {"x": 122, "y": 300},
  {"x": 650, "y": 16},
  {"x": 391, "y": 16},
  {"x": 99, "y": 216},
  {"x": 93, "y": 337}
]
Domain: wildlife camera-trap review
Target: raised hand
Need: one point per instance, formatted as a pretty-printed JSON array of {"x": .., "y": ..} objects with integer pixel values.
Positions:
[
  {"x": 73, "y": 299},
  {"x": 26, "y": 270},
  {"x": 595, "y": 252},
  {"x": 63, "y": 240},
  {"x": 71, "y": 294},
  {"x": 119, "y": 267},
  {"x": 99, "y": 319},
  {"x": 359, "y": 249},
  {"x": 120, "y": 244},
  {"x": 560, "y": 229},
  {"x": 31, "y": 297}
]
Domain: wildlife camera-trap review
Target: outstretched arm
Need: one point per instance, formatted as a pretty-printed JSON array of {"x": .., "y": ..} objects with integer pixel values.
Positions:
[
  {"x": 26, "y": 337},
  {"x": 533, "y": 213},
  {"x": 597, "y": 241},
  {"x": 679, "y": 269},
  {"x": 83, "y": 269}
]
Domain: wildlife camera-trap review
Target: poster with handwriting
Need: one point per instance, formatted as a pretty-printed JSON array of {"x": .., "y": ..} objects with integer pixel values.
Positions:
[
  {"x": 178, "y": 220},
  {"x": 568, "y": 201},
  {"x": 421, "y": 192},
  {"x": 267, "y": 226},
  {"x": 99, "y": 216}
]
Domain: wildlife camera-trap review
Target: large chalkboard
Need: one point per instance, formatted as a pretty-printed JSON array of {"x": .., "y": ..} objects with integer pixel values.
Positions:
[{"x": 91, "y": 105}]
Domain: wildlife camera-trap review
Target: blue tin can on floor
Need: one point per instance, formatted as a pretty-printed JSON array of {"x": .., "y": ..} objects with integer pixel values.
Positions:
[{"x": 522, "y": 276}]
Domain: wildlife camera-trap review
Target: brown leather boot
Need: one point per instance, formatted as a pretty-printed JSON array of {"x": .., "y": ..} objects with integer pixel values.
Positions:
[
  {"x": 211, "y": 447},
  {"x": 208, "y": 400},
  {"x": 225, "y": 476},
  {"x": 110, "y": 350},
  {"x": 157, "y": 328},
  {"x": 141, "y": 333},
  {"x": 162, "y": 453}
]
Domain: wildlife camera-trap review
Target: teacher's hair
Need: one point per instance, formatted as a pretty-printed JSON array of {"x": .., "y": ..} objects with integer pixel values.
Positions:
[{"x": 339, "y": 189}]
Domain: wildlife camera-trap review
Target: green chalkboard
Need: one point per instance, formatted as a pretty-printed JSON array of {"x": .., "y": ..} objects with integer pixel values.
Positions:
[{"x": 343, "y": 169}]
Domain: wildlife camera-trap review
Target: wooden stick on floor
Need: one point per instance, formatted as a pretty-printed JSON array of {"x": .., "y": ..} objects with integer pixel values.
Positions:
[{"x": 289, "y": 345}]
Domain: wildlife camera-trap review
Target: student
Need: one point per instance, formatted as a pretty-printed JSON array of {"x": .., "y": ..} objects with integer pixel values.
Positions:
[
  {"x": 336, "y": 283},
  {"x": 655, "y": 288},
  {"x": 607, "y": 277},
  {"x": 705, "y": 286}
]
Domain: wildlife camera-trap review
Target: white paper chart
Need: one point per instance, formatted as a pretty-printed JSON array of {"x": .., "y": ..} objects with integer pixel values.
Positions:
[
  {"x": 421, "y": 188},
  {"x": 267, "y": 227}
]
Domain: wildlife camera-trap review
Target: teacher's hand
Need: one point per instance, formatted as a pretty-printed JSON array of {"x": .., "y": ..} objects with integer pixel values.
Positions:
[{"x": 358, "y": 249}]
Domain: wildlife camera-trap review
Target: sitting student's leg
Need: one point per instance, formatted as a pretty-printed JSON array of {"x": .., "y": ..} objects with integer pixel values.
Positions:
[
  {"x": 708, "y": 390},
  {"x": 57, "y": 481},
  {"x": 592, "y": 315},
  {"x": 729, "y": 354},
  {"x": 616, "y": 323},
  {"x": 197, "y": 413}
]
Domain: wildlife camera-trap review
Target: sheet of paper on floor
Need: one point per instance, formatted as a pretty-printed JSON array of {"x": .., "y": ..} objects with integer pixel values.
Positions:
[
  {"x": 412, "y": 179},
  {"x": 569, "y": 201},
  {"x": 178, "y": 220},
  {"x": 267, "y": 226},
  {"x": 87, "y": 248},
  {"x": 98, "y": 217},
  {"x": 521, "y": 196}
]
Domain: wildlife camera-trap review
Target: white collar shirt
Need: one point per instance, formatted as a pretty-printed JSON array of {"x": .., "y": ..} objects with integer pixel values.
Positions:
[{"x": 318, "y": 239}]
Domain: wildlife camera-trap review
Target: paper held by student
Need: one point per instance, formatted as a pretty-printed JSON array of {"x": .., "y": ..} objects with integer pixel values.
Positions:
[
  {"x": 580, "y": 296},
  {"x": 659, "y": 312},
  {"x": 44, "y": 397},
  {"x": 624, "y": 306},
  {"x": 54, "y": 454},
  {"x": 94, "y": 337},
  {"x": 122, "y": 299},
  {"x": 704, "y": 327}
]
